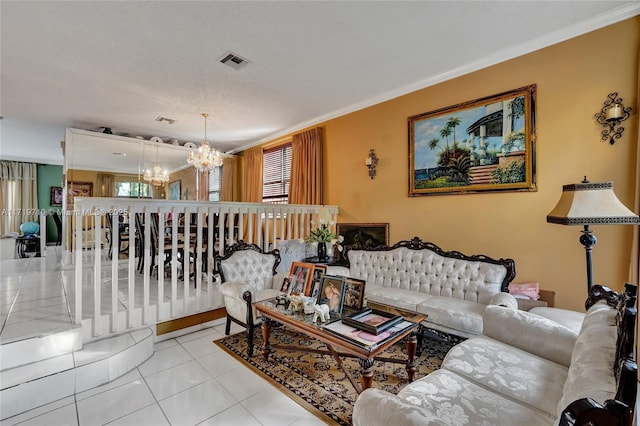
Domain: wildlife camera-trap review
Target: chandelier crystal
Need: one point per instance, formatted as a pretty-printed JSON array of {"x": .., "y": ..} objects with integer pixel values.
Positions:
[
  {"x": 205, "y": 157},
  {"x": 157, "y": 177}
]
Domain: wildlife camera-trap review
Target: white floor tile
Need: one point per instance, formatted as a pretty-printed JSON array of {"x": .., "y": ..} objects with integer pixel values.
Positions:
[
  {"x": 242, "y": 383},
  {"x": 308, "y": 420},
  {"x": 197, "y": 404},
  {"x": 234, "y": 416},
  {"x": 129, "y": 377},
  {"x": 219, "y": 363},
  {"x": 176, "y": 379},
  {"x": 207, "y": 332},
  {"x": 201, "y": 346},
  {"x": 164, "y": 344},
  {"x": 114, "y": 403},
  {"x": 65, "y": 416},
  {"x": 272, "y": 407},
  {"x": 166, "y": 358},
  {"x": 70, "y": 400},
  {"x": 147, "y": 416}
]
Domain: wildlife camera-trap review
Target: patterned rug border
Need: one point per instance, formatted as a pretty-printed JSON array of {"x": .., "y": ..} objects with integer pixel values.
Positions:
[
  {"x": 301, "y": 400},
  {"x": 280, "y": 362}
]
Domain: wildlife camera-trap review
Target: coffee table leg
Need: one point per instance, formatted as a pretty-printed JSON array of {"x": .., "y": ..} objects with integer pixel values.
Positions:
[
  {"x": 266, "y": 330},
  {"x": 411, "y": 343},
  {"x": 366, "y": 372}
]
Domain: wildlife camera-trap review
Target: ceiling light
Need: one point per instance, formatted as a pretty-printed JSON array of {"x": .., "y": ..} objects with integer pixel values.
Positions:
[
  {"x": 157, "y": 177},
  {"x": 205, "y": 157}
]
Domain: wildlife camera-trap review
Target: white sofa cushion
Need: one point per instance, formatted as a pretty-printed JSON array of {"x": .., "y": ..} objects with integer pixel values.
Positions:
[
  {"x": 396, "y": 297},
  {"x": 251, "y": 267},
  {"x": 530, "y": 332},
  {"x": 442, "y": 398},
  {"x": 455, "y": 314},
  {"x": 570, "y": 319},
  {"x": 591, "y": 371},
  {"x": 510, "y": 371}
]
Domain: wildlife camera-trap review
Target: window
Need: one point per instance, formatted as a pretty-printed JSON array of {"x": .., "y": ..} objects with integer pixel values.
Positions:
[
  {"x": 215, "y": 183},
  {"x": 133, "y": 189},
  {"x": 276, "y": 174}
]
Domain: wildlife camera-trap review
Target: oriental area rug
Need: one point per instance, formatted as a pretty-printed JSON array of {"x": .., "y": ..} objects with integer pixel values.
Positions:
[{"x": 317, "y": 383}]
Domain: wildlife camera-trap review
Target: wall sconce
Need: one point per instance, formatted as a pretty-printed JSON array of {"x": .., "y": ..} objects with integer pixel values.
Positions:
[
  {"x": 371, "y": 162},
  {"x": 611, "y": 115}
]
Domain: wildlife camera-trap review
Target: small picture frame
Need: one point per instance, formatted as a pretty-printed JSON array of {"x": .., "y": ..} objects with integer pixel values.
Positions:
[
  {"x": 316, "y": 280},
  {"x": 285, "y": 288},
  {"x": 55, "y": 199},
  {"x": 332, "y": 293},
  {"x": 353, "y": 295},
  {"x": 301, "y": 274}
]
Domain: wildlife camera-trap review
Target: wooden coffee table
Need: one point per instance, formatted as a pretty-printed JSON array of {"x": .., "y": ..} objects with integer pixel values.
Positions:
[{"x": 338, "y": 347}]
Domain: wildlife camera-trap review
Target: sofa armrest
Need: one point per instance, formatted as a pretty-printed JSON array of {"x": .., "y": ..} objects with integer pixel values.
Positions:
[
  {"x": 376, "y": 407},
  {"x": 529, "y": 332},
  {"x": 235, "y": 289},
  {"x": 504, "y": 299}
]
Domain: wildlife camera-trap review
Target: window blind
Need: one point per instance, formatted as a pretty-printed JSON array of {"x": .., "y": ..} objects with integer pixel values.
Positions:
[{"x": 276, "y": 174}]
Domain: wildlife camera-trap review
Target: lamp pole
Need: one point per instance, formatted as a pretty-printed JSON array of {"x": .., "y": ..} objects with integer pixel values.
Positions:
[{"x": 588, "y": 240}]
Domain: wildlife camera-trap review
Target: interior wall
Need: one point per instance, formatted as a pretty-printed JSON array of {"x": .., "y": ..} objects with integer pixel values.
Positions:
[
  {"x": 573, "y": 79},
  {"x": 49, "y": 175}
]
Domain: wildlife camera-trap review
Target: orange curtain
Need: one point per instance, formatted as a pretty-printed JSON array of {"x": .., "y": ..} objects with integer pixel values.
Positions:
[
  {"x": 253, "y": 175},
  {"x": 306, "y": 167},
  {"x": 230, "y": 189},
  {"x": 252, "y": 187}
]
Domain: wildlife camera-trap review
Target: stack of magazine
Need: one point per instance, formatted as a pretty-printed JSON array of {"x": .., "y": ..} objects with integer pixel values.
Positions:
[{"x": 369, "y": 328}]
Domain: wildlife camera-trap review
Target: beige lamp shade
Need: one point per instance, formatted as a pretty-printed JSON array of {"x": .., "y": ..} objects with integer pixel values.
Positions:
[{"x": 589, "y": 203}]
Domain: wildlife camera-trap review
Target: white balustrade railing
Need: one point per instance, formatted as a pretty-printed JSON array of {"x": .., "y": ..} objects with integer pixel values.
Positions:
[{"x": 119, "y": 292}]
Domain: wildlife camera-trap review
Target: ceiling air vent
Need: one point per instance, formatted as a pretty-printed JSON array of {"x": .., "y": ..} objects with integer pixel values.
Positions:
[
  {"x": 234, "y": 61},
  {"x": 165, "y": 119}
]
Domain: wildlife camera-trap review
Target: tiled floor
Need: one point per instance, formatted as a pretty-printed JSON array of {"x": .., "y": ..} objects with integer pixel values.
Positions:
[{"x": 188, "y": 381}]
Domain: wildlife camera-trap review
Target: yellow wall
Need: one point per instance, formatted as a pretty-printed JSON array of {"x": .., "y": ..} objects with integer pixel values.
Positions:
[{"x": 573, "y": 79}]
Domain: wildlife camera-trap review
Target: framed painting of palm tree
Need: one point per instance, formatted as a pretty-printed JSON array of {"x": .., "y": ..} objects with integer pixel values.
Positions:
[{"x": 486, "y": 144}]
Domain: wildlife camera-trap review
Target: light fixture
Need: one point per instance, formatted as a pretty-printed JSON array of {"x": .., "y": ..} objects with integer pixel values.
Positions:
[
  {"x": 613, "y": 113},
  {"x": 158, "y": 176},
  {"x": 371, "y": 162},
  {"x": 205, "y": 157},
  {"x": 587, "y": 204}
]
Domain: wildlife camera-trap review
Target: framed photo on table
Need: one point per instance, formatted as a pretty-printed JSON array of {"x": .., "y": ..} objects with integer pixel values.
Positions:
[
  {"x": 316, "y": 280},
  {"x": 332, "y": 293},
  {"x": 353, "y": 295},
  {"x": 301, "y": 274}
]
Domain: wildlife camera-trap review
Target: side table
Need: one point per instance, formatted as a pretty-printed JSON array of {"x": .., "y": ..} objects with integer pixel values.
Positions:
[{"x": 331, "y": 261}]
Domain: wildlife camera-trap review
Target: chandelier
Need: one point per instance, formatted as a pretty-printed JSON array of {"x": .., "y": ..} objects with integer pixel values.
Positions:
[
  {"x": 205, "y": 157},
  {"x": 157, "y": 177}
]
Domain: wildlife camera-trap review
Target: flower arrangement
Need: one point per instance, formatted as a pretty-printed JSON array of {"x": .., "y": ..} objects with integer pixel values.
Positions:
[{"x": 323, "y": 234}]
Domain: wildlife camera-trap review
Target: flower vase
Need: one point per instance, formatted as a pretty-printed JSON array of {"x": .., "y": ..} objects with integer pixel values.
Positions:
[{"x": 322, "y": 251}]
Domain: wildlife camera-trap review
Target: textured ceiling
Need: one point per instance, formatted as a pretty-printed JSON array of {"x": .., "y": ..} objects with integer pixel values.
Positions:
[{"x": 122, "y": 64}]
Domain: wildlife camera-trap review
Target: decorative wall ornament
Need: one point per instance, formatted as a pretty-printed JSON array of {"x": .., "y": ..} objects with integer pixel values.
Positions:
[{"x": 613, "y": 113}]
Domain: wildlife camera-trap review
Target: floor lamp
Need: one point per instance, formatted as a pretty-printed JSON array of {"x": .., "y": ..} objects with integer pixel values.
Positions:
[{"x": 586, "y": 204}]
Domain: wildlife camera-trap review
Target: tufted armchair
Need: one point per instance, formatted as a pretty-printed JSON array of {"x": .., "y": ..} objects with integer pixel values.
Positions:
[{"x": 247, "y": 275}]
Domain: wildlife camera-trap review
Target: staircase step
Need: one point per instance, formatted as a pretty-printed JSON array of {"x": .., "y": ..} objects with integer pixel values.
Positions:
[
  {"x": 34, "y": 349},
  {"x": 31, "y": 385}
]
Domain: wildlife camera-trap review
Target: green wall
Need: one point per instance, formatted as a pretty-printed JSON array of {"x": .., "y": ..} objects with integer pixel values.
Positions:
[{"x": 48, "y": 175}]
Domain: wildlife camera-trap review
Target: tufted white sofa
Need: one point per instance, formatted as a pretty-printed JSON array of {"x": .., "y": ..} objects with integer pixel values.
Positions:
[
  {"x": 525, "y": 370},
  {"x": 415, "y": 276}
]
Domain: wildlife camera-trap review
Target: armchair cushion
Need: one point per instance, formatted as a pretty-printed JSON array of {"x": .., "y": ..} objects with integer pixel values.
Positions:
[{"x": 249, "y": 266}]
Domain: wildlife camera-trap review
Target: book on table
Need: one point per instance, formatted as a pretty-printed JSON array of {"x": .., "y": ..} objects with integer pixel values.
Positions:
[
  {"x": 361, "y": 337},
  {"x": 372, "y": 321}
]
